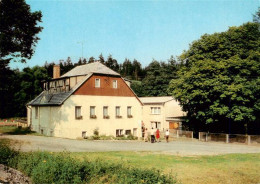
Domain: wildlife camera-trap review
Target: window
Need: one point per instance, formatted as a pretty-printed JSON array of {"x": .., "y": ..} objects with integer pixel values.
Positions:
[
  {"x": 127, "y": 132},
  {"x": 118, "y": 112},
  {"x": 119, "y": 133},
  {"x": 36, "y": 112},
  {"x": 97, "y": 83},
  {"x": 92, "y": 112},
  {"x": 84, "y": 134},
  {"x": 78, "y": 112},
  {"x": 156, "y": 125},
  {"x": 105, "y": 112},
  {"x": 155, "y": 110},
  {"x": 114, "y": 83},
  {"x": 129, "y": 112}
]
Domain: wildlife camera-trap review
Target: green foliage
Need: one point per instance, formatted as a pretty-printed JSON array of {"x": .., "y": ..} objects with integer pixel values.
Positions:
[
  {"x": 96, "y": 134},
  {"x": 158, "y": 76},
  {"x": 18, "y": 30},
  {"x": 256, "y": 16},
  {"x": 220, "y": 82},
  {"x": 44, "y": 167},
  {"x": 6, "y": 153}
]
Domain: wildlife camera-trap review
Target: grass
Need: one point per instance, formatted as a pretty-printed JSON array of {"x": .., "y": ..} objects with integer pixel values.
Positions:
[
  {"x": 230, "y": 168},
  {"x": 13, "y": 130}
]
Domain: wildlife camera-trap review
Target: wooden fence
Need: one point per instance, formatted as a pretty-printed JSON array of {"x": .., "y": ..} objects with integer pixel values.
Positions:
[{"x": 229, "y": 138}]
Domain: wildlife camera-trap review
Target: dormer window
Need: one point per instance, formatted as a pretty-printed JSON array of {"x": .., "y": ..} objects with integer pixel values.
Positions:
[
  {"x": 114, "y": 83},
  {"x": 97, "y": 83}
]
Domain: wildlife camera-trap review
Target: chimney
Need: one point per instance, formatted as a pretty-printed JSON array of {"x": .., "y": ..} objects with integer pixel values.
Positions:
[{"x": 56, "y": 71}]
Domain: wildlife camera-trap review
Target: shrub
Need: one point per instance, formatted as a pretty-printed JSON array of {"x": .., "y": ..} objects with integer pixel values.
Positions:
[
  {"x": 6, "y": 152},
  {"x": 44, "y": 167}
]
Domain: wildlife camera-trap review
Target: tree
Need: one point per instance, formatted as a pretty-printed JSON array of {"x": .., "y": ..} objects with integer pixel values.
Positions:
[
  {"x": 256, "y": 17},
  {"x": 156, "y": 81},
  {"x": 18, "y": 30},
  {"x": 101, "y": 58},
  {"x": 127, "y": 69},
  {"x": 112, "y": 63},
  {"x": 91, "y": 60},
  {"x": 30, "y": 86},
  {"x": 137, "y": 70},
  {"x": 219, "y": 86}
]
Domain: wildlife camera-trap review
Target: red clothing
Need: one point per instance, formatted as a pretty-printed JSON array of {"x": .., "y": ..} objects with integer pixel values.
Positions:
[{"x": 157, "y": 134}]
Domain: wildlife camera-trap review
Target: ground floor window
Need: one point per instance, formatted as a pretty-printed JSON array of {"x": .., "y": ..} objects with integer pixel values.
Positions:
[
  {"x": 156, "y": 125},
  {"x": 127, "y": 132},
  {"x": 36, "y": 112},
  {"x": 84, "y": 134},
  {"x": 119, "y": 133}
]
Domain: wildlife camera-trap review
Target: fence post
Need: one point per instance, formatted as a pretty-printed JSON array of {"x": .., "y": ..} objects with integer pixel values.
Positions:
[
  {"x": 248, "y": 139},
  {"x": 227, "y": 138},
  {"x": 206, "y": 137},
  {"x": 177, "y": 133},
  {"x": 192, "y": 135}
]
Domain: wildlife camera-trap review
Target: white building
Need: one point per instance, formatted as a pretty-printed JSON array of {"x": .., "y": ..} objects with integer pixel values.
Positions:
[{"x": 92, "y": 96}]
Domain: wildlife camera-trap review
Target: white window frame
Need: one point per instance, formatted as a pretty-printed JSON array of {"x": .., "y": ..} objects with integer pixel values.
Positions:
[
  {"x": 105, "y": 112},
  {"x": 129, "y": 112},
  {"x": 92, "y": 111},
  {"x": 97, "y": 83},
  {"x": 155, "y": 110},
  {"x": 78, "y": 112},
  {"x": 156, "y": 125},
  {"x": 114, "y": 84},
  {"x": 118, "y": 112}
]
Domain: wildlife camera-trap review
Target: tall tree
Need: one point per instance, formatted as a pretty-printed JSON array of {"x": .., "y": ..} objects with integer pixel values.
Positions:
[
  {"x": 256, "y": 16},
  {"x": 30, "y": 85},
  {"x": 137, "y": 70},
  {"x": 101, "y": 58},
  {"x": 91, "y": 59},
  {"x": 220, "y": 85},
  {"x": 18, "y": 30}
]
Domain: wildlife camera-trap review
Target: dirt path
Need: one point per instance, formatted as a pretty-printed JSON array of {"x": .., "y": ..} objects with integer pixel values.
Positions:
[{"x": 34, "y": 143}]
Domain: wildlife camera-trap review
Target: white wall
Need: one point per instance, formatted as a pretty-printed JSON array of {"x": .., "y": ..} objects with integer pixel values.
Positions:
[{"x": 61, "y": 120}]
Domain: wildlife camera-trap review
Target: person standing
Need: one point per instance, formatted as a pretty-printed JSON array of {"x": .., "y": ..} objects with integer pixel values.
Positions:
[
  {"x": 157, "y": 135},
  {"x": 167, "y": 133},
  {"x": 145, "y": 135},
  {"x": 152, "y": 135}
]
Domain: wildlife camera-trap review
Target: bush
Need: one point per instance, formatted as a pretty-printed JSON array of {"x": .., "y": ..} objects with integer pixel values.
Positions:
[
  {"x": 6, "y": 152},
  {"x": 44, "y": 167}
]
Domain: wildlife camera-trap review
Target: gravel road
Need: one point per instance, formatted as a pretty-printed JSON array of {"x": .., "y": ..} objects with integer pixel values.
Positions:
[{"x": 34, "y": 143}]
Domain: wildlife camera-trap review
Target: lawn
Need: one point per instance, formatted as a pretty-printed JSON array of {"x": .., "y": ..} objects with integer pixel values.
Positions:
[{"x": 231, "y": 168}]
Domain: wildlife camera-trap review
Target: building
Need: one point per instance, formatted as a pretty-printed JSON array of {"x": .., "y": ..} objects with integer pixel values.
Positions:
[
  {"x": 93, "y": 97},
  {"x": 86, "y": 98},
  {"x": 162, "y": 112}
]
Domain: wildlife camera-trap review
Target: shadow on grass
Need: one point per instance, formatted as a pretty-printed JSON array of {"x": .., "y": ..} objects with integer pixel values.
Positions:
[{"x": 17, "y": 131}]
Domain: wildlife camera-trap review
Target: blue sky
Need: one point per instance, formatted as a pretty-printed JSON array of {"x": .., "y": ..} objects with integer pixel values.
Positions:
[{"x": 144, "y": 30}]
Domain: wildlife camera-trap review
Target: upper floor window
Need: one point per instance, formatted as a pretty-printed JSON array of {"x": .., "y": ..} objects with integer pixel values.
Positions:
[
  {"x": 155, "y": 110},
  {"x": 92, "y": 112},
  {"x": 97, "y": 83},
  {"x": 129, "y": 112},
  {"x": 78, "y": 112},
  {"x": 118, "y": 112},
  {"x": 114, "y": 83},
  {"x": 105, "y": 112},
  {"x": 36, "y": 112}
]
